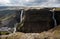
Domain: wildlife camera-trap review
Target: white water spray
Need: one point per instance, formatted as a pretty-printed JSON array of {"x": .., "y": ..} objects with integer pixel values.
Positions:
[
  {"x": 21, "y": 17},
  {"x": 15, "y": 27}
]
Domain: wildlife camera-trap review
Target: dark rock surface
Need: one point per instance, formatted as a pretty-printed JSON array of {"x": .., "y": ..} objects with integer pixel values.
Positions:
[
  {"x": 37, "y": 20},
  {"x": 57, "y": 17}
]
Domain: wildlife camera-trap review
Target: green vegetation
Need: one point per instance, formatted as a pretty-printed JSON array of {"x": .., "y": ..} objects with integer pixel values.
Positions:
[
  {"x": 9, "y": 17},
  {"x": 57, "y": 9},
  {"x": 3, "y": 33}
]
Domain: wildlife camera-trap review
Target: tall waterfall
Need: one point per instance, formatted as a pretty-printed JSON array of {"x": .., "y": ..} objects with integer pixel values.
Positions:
[
  {"x": 15, "y": 27},
  {"x": 20, "y": 21},
  {"x": 53, "y": 16},
  {"x": 21, "y": 15},
  {"x": 55, "y": 23}
]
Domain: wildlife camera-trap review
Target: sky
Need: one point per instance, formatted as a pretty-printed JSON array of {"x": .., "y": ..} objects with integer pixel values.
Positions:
[{"x": 41, "y": 3}]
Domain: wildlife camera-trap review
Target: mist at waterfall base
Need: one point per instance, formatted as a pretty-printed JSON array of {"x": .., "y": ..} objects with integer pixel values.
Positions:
[{"x": 41, "y": 3}]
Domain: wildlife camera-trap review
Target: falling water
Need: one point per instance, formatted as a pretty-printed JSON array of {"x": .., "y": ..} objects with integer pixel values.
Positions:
[
  {"x": 55, "y": 23},
  {"x": 21, "y": 15},
  {"x": 17, "y": 23},
  {"x": 15, "y": 27},
  {"x": 53, "y": 16}
]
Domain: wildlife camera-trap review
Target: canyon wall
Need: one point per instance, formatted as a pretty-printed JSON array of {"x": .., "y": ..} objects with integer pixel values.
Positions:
[
  {"x": 57, "y": 17},
  {"x": 37, "y": 20}
]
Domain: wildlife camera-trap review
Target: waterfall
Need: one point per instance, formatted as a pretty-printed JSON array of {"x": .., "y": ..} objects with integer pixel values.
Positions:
[
  {"x": 21, "y": 15},
  {"x": 15, "y": 27},
  {"x": 17, "y": 23},
  {"x": 55, "y": 23},
  {"x": 53, "y": 16}
]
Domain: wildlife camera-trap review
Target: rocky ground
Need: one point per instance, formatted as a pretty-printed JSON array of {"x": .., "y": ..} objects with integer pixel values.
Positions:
[{"x": 51, "y": 34}]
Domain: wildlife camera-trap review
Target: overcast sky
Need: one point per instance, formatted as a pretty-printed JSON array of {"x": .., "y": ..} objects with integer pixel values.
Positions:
[{"x": 42, "y": 3}]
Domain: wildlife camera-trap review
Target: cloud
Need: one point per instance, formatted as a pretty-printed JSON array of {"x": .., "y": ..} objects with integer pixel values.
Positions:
[
  {"x": 33, "y": 2},
  {"x": 4, "y": 2},
  {"x": 42, "y": 3}
]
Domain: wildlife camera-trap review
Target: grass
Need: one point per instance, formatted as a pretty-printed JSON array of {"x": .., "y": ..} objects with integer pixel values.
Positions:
[{"x": 3, "y": 33}]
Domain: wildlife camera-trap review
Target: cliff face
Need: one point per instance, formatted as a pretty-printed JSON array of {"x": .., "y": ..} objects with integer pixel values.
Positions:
[
  {"x": 57, "y": 17},
  {"x": 37, "y": 20}
]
